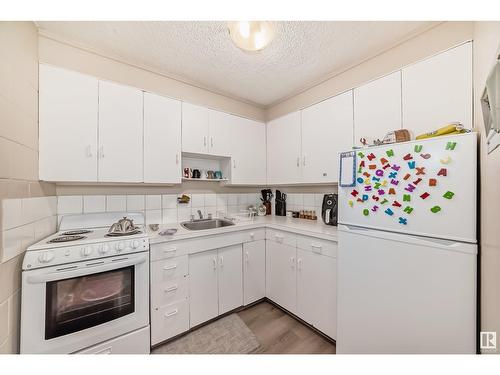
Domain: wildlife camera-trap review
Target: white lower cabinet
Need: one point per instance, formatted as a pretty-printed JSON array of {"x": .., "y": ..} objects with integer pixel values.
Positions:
[
  {"x": 316, "y": 291},
  {"x": 169, "y": 321},
  {"x": 281, "y": 283},
  {"x": 254, "y": 271},
  {"x": 203, "y": 291},
  {"x": 230, "y": 278}
]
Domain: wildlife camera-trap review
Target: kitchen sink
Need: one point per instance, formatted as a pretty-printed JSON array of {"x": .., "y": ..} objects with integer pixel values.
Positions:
[{"x": 206, "y": 224}]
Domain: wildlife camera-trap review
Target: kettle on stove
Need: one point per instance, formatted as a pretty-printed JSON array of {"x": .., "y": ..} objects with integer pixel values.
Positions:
[{"x": 329, "y": 209}]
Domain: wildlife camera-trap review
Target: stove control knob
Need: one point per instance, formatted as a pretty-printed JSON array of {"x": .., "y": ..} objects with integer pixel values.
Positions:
[
  {"x": 46, "y": 256},
  {"x": 86, "y": 251},
  {"x": 104, "y": 249},
  {"x": 120, "y": 246},
  {"x": 135, "y": 244}
]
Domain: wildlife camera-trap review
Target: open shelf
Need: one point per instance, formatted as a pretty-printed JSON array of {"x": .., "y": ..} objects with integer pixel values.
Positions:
[{"x": 205, "y": 179}]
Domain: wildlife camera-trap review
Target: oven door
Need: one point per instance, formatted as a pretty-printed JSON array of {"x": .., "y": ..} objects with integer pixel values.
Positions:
[{"x": 70, "y": 307}]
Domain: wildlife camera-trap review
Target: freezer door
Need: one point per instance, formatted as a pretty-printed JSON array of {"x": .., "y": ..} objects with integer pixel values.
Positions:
[
  {"x": 424, "y": 187},
  {"x": 404, "y": 294}
]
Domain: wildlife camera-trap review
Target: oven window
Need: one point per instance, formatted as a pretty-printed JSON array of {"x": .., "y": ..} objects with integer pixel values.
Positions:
[{"x": 87, "y": 301}]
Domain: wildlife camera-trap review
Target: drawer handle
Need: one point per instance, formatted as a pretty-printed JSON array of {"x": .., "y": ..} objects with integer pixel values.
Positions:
[
  {"x": 252, "y": 235},
  {"x": 172, "y": 267},
  {"x": 279, "y": 237},
  {"x": 171, "y": 313},
  {"x": 247, "y": 256},
  {"x": 299, "y": 264},
  {"x": 316, "y": 248},
  {"x": 172, "y": 288},
  {"x": 172, "y": 250},
  {"x": 292, "y": 262},
  {"x": 107, "y": 350}
]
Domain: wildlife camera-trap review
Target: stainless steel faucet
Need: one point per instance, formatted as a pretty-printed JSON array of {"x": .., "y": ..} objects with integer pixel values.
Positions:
[{"x": 200, "y": 214}]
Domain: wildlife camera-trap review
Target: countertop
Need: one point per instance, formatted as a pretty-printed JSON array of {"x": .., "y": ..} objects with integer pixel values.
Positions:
[{"x": 314, "y": 228}]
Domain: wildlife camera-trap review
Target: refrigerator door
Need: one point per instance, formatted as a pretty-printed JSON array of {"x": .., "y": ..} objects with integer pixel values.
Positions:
[
  {"x": 425, "y": 188},
  {"x": 404, "y": 294}
]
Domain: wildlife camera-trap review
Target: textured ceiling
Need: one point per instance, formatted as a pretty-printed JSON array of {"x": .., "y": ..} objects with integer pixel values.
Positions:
[{"x": 301, "y": 54}]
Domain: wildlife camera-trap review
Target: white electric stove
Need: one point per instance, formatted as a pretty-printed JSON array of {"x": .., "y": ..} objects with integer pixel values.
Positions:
[{"x": 86, "y": 291}]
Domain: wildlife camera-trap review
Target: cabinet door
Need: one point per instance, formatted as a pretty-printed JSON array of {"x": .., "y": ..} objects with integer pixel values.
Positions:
[
  {"x": 248, "y": 152},
  {"x": 194, "y": 129},
  {"x": 68, "y": 105},
  {"x": 120, "y": 133},
  {"x": 203, "y": 295},
  {"x": 283, "y": 149},
  {"x": 254, "y": 271},
  {"x": 162, "y": 139},
  {"x": 326, "y": 130},
  {"x": 316, "y": 291},
  {"x": 377, "y": 108},
  {"x": 438, "y": 91},
  {"x": 230, "y": 278},
  {"x": 281, "y": 275},
  {"x": 221, "y": 132}
]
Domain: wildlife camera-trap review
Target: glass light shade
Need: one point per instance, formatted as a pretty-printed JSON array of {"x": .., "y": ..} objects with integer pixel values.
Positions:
[{"x": 251, "y": 35}]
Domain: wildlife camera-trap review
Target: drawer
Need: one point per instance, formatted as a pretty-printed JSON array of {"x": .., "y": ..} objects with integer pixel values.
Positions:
[
  {"x": 282, "y": 237},
  {"x": 136, "y": 342},
  {"x": 168, "y": 250},
  {"x": 169, "y": 292},
  {"x": 168, "y": 270},
  {"x": 254, "y": 235},
  {"x": 319, "y": 246},
  {"x": 169, "y": 321}
]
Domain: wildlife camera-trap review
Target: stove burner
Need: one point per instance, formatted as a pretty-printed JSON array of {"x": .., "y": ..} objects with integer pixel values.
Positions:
[
  {"x": 75, "y": 232},
  {"x": 118, "y": 234},
  {"x": 66, "y": 239}
]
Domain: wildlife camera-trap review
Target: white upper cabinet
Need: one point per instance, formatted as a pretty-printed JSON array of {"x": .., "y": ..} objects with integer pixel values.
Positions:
[
  {"x": 162, "y": 139},
  {"x": 120, "y": 133},
  {"x": 220, "y": 133},
  {"x": 194, "y": 129},
  {"x": 377, "y": 108},
  {"x": 283, "y": 149},
  {"x": 68, "y": 110},
  {"x": 438, "y": 91},
  {"x": 326, "y": 131},
  {"x": 248, "y": 152}
]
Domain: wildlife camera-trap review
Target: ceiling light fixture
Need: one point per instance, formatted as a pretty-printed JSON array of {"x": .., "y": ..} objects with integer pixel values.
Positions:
[{"x": 251, "y": 35}]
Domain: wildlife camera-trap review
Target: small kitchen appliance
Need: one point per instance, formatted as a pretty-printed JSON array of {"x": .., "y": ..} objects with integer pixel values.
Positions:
[
  {"x": 329, "y": 209},
  {"x": 85, "y": 289}
]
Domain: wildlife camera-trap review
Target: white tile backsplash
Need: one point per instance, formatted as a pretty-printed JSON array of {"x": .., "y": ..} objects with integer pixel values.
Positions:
[
  {"x": 116, "y": 203},
  {"x": 210, "y": 200},
  {"x": 94, "y": 203},
  {"x": 135, "y": 203},
  {"x": 153, "y": 217},
  {"x": 169, "y": 215},
  {"x": 72, "y": 204},
  {"x": 153, "y": 202},
  {"x": 12, "y": 213},
  {"x": 169, "y": 201},
  {"x": 197, "y": 200}
]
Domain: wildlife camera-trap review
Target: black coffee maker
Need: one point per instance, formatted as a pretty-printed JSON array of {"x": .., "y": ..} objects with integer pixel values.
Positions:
[{"x": 329, "y": 209}]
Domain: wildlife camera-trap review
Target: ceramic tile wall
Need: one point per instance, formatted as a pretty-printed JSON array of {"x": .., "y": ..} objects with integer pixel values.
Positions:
[
  {"x": 26, "y": 221},
  {"x": 158, "y": 208}
]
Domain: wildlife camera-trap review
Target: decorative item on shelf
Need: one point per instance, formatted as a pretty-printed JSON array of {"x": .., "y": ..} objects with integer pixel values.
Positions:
[
  {"x": 196, "y": 173},
  {"x": 187, "y": 173},
  {"x": 450, "y": 129},
  {"x": 210, "y": 175},
  {"x": 218, "y": 175},
  {"x": 184, "y": 199}
]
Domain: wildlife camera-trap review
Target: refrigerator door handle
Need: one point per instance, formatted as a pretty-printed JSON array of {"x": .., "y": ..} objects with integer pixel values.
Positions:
[{"x": 410, "y": 239}]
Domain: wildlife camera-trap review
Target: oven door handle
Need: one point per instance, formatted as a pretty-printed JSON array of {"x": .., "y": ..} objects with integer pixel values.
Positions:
[{"x": 89, "y": 270}]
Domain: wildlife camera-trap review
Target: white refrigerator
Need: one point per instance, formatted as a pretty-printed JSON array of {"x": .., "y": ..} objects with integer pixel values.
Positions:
[{"x": 407, "y": 258}]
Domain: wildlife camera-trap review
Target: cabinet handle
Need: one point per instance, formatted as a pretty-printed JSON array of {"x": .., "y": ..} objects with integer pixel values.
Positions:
[
  {"x": 304, "y": 160},
  {"x": 215, "y": 263},
  {"x": 292, "y": 262},
  {"x": 252, "y": 235},
  {"x": 89, "y": 151},
  {"x": 279, "y": 237},
  {"x": 221, "y": 261},
  {"x": 316, "y": 248},
  {"x": 172, "y": 288},
  {"x": 298, "y": 161},
  {"x": 171, "y": 313},
  {"x": 247, "y": 256},
  {"x": 101, "y": 151},
  {"x": 234, "y": 163},
  {"x": 204, "y": 140},
  {"x": 171, "y": 250},
  {"x": 299, "y": 264},
  {"x": 212, "y": 142},
  {"x": 168, "y": 268},
  {"x": 176, "y": 158}
]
